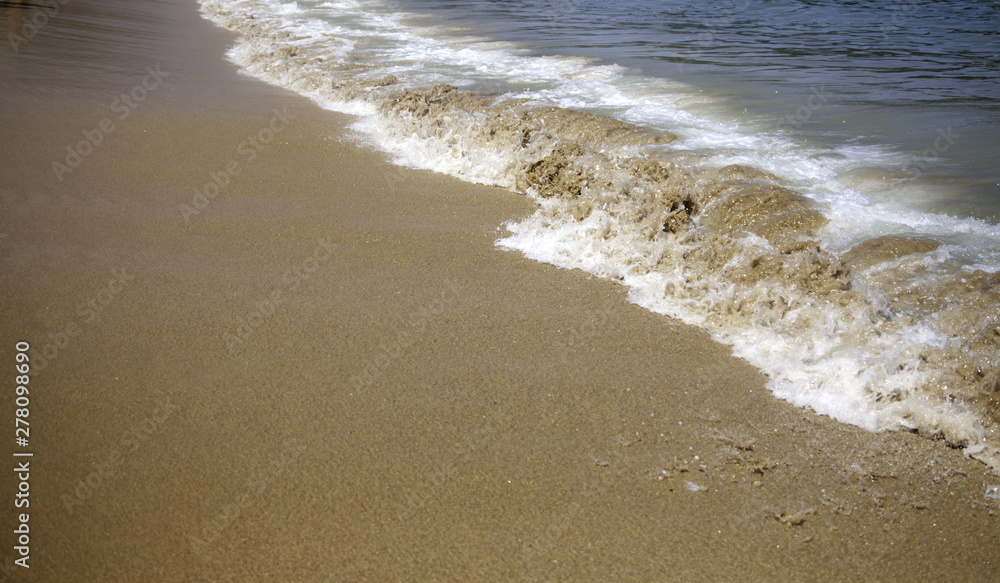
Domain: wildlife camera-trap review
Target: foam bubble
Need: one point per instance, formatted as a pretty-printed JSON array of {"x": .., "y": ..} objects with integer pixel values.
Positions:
[{"x": 853, "y": 303}]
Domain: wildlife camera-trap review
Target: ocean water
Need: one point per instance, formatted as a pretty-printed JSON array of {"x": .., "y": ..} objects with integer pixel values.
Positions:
[
  {"x": 830, "y": 74},
  {"x": 816, "y": 183}
]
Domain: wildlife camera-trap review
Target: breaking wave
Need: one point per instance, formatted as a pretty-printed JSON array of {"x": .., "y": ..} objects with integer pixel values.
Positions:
[{"x": 879, "y": 316}]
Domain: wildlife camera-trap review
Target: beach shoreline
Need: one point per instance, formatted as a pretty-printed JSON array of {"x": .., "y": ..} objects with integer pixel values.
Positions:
[{"x": 271, "y": 355}]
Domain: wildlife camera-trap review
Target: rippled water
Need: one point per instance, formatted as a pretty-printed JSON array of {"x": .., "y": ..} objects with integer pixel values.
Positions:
[
  {"x": 897, "y": 75},
  {"x": 738, "y": 185}
]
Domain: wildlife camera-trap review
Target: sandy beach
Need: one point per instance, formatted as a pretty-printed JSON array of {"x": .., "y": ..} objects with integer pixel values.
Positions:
[{"x": 260, "y": 352}]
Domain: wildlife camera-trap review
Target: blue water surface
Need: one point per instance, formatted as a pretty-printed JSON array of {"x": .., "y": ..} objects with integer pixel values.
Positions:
[{"x": 920, "y": 79}]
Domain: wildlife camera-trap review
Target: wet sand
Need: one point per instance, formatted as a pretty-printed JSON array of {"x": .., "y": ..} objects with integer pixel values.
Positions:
[{"x": 329, "y": 373}]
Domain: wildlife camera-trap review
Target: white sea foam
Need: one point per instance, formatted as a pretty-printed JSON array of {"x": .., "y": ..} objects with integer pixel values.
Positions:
[{"x": 876, "y": 331}]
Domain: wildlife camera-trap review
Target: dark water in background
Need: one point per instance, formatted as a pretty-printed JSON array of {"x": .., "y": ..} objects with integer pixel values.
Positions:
[
  {"x": 880, "y": 137},
  {"x": 918, "y": 79}
]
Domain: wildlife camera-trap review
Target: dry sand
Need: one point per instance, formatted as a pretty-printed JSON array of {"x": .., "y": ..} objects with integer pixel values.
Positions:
[{"x": 331, "y": 374}]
